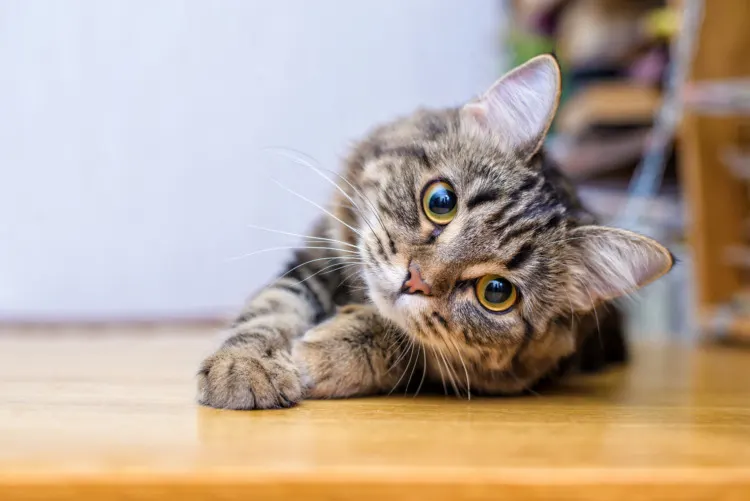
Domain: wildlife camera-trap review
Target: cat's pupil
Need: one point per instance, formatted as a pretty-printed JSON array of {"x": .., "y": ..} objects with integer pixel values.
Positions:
[
  {"x": 498, "y": 291},
  {"x": 442, "y": 201}
]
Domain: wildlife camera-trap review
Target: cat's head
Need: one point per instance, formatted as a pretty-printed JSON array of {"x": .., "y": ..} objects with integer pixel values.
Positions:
[{"x": 468, "y": 240}]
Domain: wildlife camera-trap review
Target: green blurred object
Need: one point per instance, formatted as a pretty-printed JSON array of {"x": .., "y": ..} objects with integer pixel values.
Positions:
[{"x": 524, "y": 45}]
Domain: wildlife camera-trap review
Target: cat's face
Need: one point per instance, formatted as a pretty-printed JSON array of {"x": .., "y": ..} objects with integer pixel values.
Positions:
[
  {"x": 483, "y": 233},
  {"x": 468, "y": 245}
]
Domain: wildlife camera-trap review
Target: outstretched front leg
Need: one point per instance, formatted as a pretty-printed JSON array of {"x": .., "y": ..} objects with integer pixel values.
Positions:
[
  {"x": 355, "y": 353},
  {"x": 253, "y": 368}
]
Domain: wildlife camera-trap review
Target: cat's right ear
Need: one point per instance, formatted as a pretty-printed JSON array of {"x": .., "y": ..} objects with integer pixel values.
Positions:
[{"x": 520, "y": 106}]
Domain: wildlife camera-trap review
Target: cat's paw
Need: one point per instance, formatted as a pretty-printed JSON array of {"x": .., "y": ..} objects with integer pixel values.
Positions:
[
  {"x": 320, "y": 375},
  {"x": 343, "y": 356},
  {"x": 247, "y": 377}
]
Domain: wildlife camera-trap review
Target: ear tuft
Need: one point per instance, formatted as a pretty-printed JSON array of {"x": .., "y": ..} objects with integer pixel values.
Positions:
[
  {"x": 613, "y": 263},
  {"x": 520, "y": 106}
]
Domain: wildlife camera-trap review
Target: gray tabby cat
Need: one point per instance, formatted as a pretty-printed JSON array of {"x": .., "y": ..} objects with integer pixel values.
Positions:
[{"x": 456, "y": 256}]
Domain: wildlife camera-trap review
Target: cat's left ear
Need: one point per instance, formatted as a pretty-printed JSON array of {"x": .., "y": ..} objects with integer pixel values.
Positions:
[
  {"x": 611, "y": 263},
  {"x": 521, "y": 105}
]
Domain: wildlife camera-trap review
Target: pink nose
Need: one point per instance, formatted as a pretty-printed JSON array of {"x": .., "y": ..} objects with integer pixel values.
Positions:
[{"x": 415, "y": 283}]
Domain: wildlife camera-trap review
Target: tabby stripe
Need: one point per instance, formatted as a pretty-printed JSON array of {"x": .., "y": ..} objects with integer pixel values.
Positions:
[
  {"x": 297, "y": 291},
  {"x": 367, "y": 354},
  {"x": 527, "y": 336},
  {"x": 430, "y": 323},
  {"x": 517, "y": 232},
  {"x": 250, "y": 315},
  {"x": 528, "y": 332},
  {"x": 258, "y": 334},
  {"x": 391, "y": 244},
  {"x": 505, "y": 208},
  {"x": 553, "y": 222},
  {"x": 312, "y": 296},
  {"x": 386, "y": 209},
  {"x": 440, "y": 319},
  {"x": 512, "y": 220},
  {"x": 523, "y": 254},
  {"x": 529, "y": 183},
  {"x": 482, "y": 197}
]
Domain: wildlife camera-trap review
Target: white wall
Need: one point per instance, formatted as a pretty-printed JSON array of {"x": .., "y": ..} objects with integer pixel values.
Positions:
[{"x": 131, "y": 135}]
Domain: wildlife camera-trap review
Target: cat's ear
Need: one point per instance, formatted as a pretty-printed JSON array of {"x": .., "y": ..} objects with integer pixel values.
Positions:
[
  {"x": 521, "y": 105},
  {"x": 611, "y": 263}
]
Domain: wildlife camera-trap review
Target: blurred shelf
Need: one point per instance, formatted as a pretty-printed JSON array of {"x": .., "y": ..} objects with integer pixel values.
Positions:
[
  {"x": 608, "y": 105},
  {"x": 714, "y": 133},
  {"x": 726, "y": 323},
  {"x": 729, "y": 97}
]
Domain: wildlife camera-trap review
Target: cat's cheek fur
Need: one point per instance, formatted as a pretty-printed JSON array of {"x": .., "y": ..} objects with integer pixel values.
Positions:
[{"x": 383, "y": 289}]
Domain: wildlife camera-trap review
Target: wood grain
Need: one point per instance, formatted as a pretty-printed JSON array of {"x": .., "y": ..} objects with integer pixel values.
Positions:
[{"x": 113, "y": 417}]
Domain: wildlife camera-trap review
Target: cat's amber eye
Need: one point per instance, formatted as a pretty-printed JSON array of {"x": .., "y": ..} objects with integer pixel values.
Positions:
[
  {"x": 439, "y": 202},
  {"x": 496, "y": 293}
]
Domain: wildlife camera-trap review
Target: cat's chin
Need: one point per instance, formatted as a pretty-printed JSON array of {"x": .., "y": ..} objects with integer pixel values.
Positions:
[
  {"x": 400, "y": 308},
  {"x": 387, "y": 307}
]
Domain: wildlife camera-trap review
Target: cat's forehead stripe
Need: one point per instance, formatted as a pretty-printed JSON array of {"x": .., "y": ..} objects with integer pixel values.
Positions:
[{"x": 483, "y": 197}]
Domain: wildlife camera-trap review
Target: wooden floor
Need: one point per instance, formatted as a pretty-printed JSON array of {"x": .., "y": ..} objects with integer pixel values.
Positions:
[{"x": 110, "y": 416}]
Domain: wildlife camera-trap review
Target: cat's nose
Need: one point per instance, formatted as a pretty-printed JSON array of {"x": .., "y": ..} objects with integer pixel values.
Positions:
[{"x": 415, "y": 283}]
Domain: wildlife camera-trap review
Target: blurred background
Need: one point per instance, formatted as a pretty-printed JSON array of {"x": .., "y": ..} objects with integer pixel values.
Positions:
[{"x": 135, "y": 136}]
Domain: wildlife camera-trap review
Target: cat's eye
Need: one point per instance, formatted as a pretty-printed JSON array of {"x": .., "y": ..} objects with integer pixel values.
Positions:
[
  {"x": 496, "y": 293},
  {"x": 439, "y": 202}
]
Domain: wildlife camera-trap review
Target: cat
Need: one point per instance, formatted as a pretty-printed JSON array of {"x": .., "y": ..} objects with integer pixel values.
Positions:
[{"x": 453, "y": 254}]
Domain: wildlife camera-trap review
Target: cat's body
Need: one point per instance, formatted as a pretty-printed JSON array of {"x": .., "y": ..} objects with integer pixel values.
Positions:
[{"x": 501, "y": 286}]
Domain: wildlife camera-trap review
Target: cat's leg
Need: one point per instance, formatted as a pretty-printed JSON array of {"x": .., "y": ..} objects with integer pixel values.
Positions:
[
  {"x": 253, "y": 368},
  {"x": 356, "y": 353}
]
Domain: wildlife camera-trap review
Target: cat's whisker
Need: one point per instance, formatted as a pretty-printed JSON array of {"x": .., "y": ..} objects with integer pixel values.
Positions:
[
  {"x": 302, "y": 161},
  {"x": 348, "y": 277},
  {"x": 321, "y": 271},
  {"x": 466, "y": 371},
  {"x": 340, "y": 205},
  {"x": 299, "y": 247},
  {"x": 440, "y": 368},
  {"x": 401, "y": 343},
  {"x": 450, "y": 372},
  {"x": 342, "y": 259},
  {"x": 387, "y": 338},
  {"x": 342, "y": 267},
  {"x": 572, "y": 311},
  {"x": 290, "y": 154},
  {"x": 424, "y": 369},
  {"x": 364, "y": 197},
  {"x": 319, "y": 173},
  {"x": 406, "y": 369},
  {"x": 397, "y": 342},
  {"x": 416, "y": 362},
  {"x": 596, "y": 316},
  {"x": 309, "y": 237},
  {"x": 316, "y": 205},
  {"x": 351, "y": 265}
]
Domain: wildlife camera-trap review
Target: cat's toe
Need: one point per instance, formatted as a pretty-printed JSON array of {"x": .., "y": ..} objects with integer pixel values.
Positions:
[{"x": 236, "y": 377}]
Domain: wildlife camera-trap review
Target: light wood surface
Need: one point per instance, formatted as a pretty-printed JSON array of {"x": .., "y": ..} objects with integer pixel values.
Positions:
[{"x": 112, "y": 417}]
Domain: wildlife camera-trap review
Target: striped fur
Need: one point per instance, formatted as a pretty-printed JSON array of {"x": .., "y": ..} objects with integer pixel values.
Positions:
[{"x": 335, "y": 324}]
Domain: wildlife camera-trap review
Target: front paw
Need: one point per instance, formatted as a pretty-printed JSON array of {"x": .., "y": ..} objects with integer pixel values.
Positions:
[
  {"x": 248, "y": 377},
  {"x": 344, "y": 357}
]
